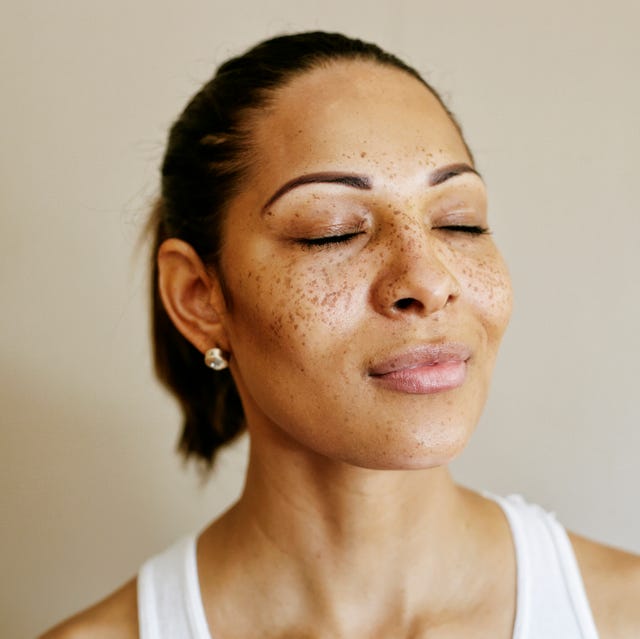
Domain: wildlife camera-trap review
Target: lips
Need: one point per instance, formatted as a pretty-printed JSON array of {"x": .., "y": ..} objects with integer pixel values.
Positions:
[{"x": 424, "y": 369}]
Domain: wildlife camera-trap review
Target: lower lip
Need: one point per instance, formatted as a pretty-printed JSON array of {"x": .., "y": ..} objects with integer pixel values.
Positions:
[{"x": 425, "y": 380}]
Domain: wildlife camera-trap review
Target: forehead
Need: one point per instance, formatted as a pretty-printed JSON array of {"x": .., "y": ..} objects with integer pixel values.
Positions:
[{"x": 354, "y": 113}]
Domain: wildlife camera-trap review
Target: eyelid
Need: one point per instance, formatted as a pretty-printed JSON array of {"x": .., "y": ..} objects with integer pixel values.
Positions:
[
  {"x": 460, "y": 213},
  {"x": 336, "y": 229},
  {"x": 335, "y": 234}
]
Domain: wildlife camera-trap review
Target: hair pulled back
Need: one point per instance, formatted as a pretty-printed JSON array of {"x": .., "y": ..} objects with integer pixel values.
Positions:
[{"x": 207, "y": 155}]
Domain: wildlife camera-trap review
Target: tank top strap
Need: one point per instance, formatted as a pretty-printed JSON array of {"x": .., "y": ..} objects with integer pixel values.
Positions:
[
  {"x": 551, "y": 598},
  {"x": 169, "y": 599}
]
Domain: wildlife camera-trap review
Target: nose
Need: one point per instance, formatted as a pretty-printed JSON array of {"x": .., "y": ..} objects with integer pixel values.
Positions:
[{"x": 413, "y": 278}]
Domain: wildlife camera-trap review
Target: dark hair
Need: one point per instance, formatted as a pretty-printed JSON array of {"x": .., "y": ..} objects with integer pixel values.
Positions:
[{"x": 208, "y": 152}]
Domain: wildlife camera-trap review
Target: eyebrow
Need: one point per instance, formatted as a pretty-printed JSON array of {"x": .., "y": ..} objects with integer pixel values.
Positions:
[
  {"x": 444, "y": 173},
  {"x": 353, "y": 180},
  {"x": 363, "y": 182}
]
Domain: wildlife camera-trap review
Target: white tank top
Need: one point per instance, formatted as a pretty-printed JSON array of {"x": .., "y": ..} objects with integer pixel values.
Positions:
[{"x": 551, "y": 600}]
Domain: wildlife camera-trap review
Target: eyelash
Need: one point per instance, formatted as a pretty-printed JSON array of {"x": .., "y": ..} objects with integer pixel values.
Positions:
[
  {"x": 328, "y": 240},
  {"x": 461, "y": 228}
]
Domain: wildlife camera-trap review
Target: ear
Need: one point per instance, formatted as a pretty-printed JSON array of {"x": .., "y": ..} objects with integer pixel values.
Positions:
[{"x": 192, "y": 296}]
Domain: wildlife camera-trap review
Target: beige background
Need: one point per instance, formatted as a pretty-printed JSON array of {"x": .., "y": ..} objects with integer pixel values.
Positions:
[{"x": 550, "y": 100}]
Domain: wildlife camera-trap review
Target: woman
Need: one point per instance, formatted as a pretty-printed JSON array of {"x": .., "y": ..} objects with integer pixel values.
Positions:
[{"x": 322, "y": 244}]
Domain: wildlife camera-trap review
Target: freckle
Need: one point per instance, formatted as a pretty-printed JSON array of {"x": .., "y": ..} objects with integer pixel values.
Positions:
[{"x": 363, "y": 154}]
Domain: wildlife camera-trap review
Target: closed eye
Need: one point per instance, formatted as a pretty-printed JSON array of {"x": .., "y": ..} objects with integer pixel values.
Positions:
[
  {"x": 461, "y": 228},
  {"x": 327, "y": 240}
]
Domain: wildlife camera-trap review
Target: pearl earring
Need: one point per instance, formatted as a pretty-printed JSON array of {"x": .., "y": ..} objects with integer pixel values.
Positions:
[{"x": 214, "y": 358}]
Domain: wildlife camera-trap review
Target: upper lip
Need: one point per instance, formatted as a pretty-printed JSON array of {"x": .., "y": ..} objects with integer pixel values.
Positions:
[{"x": 421, "y": 355}]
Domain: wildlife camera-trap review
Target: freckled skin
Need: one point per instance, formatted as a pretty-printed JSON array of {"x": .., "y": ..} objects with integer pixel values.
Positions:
[{"x": 307, "y": 322}]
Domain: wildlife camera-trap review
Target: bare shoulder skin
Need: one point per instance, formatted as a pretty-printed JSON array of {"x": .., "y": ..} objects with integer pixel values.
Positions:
[
  {"x": 612, "y": 582},
  {"x": 115, "y": 617}
]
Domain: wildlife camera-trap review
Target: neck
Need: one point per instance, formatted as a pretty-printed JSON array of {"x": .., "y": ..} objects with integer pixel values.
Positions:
[
  {"x": 318, "y": 505},
  {"x": 339, "y": 538}
]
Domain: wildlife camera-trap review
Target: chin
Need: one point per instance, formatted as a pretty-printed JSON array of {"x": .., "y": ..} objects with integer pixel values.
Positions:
[{"x": 419, "y": 454}]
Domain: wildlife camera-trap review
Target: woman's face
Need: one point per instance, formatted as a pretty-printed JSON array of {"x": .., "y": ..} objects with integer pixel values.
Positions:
[{"x": 365, "y": 304}]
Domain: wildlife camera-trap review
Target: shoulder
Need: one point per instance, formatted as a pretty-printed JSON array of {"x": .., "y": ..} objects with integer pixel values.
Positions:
[
  {"x": 115, "y": 617},
  {"x": 612, "y": 581}
]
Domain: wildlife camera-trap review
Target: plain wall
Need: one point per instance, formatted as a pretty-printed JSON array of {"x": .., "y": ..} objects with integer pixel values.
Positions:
[{"x": 548, "y": 95}]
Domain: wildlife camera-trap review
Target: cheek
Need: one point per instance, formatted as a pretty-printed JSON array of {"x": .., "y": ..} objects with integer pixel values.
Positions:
[
  {"x": 487, "y": 286},
  {"x": 296, "y": 307}
]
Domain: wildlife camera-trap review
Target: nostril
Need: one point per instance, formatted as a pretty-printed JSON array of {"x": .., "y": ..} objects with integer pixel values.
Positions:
[{"x": 405, "y": 302}]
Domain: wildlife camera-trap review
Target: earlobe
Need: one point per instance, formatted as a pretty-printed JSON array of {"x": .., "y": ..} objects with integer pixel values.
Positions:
[{"x": 191, "y": 295}]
